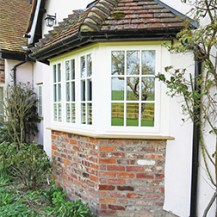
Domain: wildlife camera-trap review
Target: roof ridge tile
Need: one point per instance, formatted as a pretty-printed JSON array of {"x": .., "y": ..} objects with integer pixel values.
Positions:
[{"x": 104, "y": 7}]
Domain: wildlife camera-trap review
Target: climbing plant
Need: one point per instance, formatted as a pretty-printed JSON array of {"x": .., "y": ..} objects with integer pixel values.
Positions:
[{"x": 199, "y": 90}]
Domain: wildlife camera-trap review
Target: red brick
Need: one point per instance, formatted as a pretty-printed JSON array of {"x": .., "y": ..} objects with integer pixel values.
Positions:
[
  {"x": 107, "y": 213},
  {"x": 115, "y": 168},
  {"x": 144, "y": 176},
  {"x": 108, "y": 174},
  {"x": 154, "y": 156},
  {"x": 94, "y": 178},
  {"x": 107, "y": 161},
  {"x": 115, "y": 207},
  {"x": 107, "y": 200},
  {"x": 125, "y": 188},
  {"x": 159, "y": 176},
  {"x": 126, "y": 175},
  {"x": 54, "y": 147},
  {"x": 106, "y": 187},
  {"x": 135, "y": 168},
  {"x": 107, "y": 148},
  {"x": 66, "y": 162},
  {"x": 53, "y": 137},
  {"x": 133, "y": 195}
]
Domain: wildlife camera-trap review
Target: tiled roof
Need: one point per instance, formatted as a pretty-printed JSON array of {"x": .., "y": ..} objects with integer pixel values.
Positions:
[
  {"x": 107, "y": 16},
  {"x": 14, "y": 16}
]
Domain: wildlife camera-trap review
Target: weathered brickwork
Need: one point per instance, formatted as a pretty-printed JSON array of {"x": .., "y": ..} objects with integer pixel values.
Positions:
[{"x": 116, "y": 177}]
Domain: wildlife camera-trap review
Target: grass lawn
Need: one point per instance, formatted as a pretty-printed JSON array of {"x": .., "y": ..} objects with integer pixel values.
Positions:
[{"x": 132, "y": 122}]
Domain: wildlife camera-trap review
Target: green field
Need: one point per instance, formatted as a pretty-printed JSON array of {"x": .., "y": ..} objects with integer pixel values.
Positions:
[{"x": 132, "y": 122}]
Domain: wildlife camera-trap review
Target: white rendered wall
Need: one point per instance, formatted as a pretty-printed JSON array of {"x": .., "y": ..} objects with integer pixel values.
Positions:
[
  {"x": 62, "y": 9},
  {"x": 179, "y": 151}
]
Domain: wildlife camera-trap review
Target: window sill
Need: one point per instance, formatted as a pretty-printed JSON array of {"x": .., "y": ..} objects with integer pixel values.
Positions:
[{"x": 113, "y": 136}]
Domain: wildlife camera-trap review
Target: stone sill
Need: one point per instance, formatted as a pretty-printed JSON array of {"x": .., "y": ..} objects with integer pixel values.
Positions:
[{"x": 113, "y": 136}]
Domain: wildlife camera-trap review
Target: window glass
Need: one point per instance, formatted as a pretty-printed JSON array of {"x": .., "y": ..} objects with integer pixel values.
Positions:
[
  {"x": 133, "y": 88},
  {"x": 86, "y": 89},
  {"x": 70, "y": 91},
  {"x": 57, "y": 93}
]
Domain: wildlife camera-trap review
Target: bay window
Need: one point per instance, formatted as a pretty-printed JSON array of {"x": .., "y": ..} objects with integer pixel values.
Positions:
[{"x": 108, "y": 90}]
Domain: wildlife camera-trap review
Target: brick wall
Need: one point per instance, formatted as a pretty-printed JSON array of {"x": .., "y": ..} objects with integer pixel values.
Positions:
[{"x": 116, "y": 177}]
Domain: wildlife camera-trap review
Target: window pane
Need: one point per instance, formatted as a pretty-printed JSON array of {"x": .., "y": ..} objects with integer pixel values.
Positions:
[
  {"x": 72, "y": 69},
  {"x": 132, "y": 114},
  {"x": 118, "y": 63},
  {"x": 59, "y": 92},
  {"x": 68, "y": 112},
  {"x": 117, "y": 114},
  {"x": 133, "y": 64},
  {"x": 55, "y": 93},
  {"x": 83, "y": 65},
  {"x": 83, "y": 91},
  {"x": 59, "y": 72},
  {"x": 118, "y": 88},
  {"x": 67, "y": 71},
  {"x": 89, "y": 89},
  {"x": 148, "y": 62},
  {"x": 83, "y": 113},
  {"x": 89, "y": 65},
  {"x": 73, "y": 112},
  {"x": 55, "y": 112},
  {"x": 148, "y": 89},
  {"x": 73, "y": 91},
  {"x": 59, "y": 112},
  {"x": 147, "y": 114},
  {"x": 68, "y": 92},
  {"x": 54, "y": 74},
  {"x": 133, "y": 88},
  {"x": 89, "y": 113}
]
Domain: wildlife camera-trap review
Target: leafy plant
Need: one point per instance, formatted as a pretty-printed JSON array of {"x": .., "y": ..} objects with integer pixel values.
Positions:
[
  {"x": 199, "y": 93},
  {"x": 19, "y": 124},
  {"x": 28, "y": 164},
  {"x": 62, "y": 207}
]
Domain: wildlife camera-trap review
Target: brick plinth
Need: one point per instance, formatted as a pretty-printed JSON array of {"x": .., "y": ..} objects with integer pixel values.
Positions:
[{"x": 117, "y": 177}]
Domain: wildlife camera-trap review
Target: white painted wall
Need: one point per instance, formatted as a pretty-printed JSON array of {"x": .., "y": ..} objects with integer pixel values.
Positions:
[{"x": 62, "y": 11}]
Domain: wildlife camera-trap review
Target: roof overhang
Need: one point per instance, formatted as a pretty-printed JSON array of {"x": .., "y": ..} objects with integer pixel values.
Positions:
[
  {"x": 12, "y": 55},
  {"x": 84, "y": 38}
]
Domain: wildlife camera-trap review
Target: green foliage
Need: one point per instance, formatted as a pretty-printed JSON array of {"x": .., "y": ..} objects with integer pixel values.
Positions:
[
  {"x": 62, "y": 207},
  {"x": 199, "y": 92},
  {"x": 20, "y": 109},
  {"x": 29, "y": 164},
  {"x": 47, "y": 201}
]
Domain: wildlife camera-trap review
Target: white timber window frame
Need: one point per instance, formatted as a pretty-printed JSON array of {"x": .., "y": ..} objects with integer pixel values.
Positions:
[{"x": 100, "y": 99}]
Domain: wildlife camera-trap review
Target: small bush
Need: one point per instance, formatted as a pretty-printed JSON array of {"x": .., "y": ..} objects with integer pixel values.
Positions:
[
  {"x": 29, "y": 165},
  {"x": 62, "y": 207}
]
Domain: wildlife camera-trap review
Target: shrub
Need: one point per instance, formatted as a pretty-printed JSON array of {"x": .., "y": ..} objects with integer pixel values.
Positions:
[
  {"x": 29, "y": 164},
  {"x": 62, "y": 207},
  {"x": 20, "y": 109}
]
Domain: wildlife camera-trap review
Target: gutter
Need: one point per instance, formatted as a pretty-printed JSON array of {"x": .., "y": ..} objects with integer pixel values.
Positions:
[
  {"x": 196, "y": 143},
  {"x": 84, "y": 38}
]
